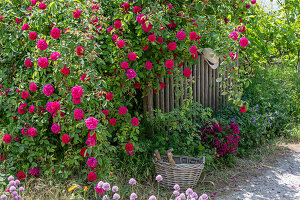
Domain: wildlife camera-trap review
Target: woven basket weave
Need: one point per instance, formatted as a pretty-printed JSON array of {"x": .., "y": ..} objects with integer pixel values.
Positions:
[{"x": 182, "y": 170}]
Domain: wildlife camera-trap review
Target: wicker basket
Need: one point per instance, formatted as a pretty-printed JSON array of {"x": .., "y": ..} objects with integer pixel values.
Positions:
[{"x": 182, "y": 170}]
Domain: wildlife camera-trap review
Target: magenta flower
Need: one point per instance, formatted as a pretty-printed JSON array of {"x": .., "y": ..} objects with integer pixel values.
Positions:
[
  {"x": 130, "y": 73},
  {"x": 48, "y": 90},
  {"x": 91, "y": 123},
  {"x": 92, "y": 162}
]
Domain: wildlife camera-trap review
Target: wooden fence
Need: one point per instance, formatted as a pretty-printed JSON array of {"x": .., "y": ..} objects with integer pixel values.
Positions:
[{"x": 201, "y": 86}]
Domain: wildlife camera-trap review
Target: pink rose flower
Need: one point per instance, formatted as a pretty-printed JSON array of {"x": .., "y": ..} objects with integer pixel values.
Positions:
[
  {"x": 172, "y": 46},
  {"x": 31, "y": 109},
  {"x": 32, "y": 35},
  {"x": 148, "y": 65},
  {"x": 124, "y": 65},
  {"x": 77, "y": 92},
  {"x": 55, "y": 128},
  {"x": 25, "y": 94},
  {"x": 42, "y": 6},
  {"x": 32, "y": 132},
  {"x": 193, "y": 36},
  {"x": 76, "y": 14},
  {"x": 135, "y": 121},
  {"x": 55, "y": 33},
  {"x": 42, "y": 44},
  {"x": 244, "y": 42},
  {"x": 91, "y": 123},
  {"x": 33, "y": 87},
  {"x": 130, "y": 73},
  {"x": 181, "y": 35},
  {"x": 28, "y": 63},
  {"x": 122, "y": 110},
  {"x": 48, "y": 90},
  {"x": 120, "y": 43},
  {"x": 54, "y": 56},
  {"x": 132, "y": 56},
  {"x": 43, "y": 62},
  {"x": 78, "y": 114},
  {"x": 193, "y": 49}
]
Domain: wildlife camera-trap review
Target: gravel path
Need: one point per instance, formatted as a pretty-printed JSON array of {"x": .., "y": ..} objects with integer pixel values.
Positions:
[{"x": 280, "y": 182}]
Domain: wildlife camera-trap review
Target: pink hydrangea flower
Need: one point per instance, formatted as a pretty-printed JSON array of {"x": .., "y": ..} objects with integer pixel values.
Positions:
[
  {"x": 78, "y": 114},
  {"x": 54, "y": 56},
  {"x": 48, "y": 90},
  {"x": 43, "y": 62},
  {"x": 131, "y": 73},
  {"x": 42, "y": 44},
  {"x": 55, "y": 33},
  {"x": 91, "y": 123},
  {"x": 55, "y": 128}
]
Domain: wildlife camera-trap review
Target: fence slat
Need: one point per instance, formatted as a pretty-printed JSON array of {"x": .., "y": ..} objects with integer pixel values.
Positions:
[
  {"x": 202, "y": 68},
  {"x": 206, "y": 83},
  {"x": 171, "y": 93},
  {"x": 217, "y": 89},
  {"x": 190, "y": 83},
  {"x": 194, "y": 83},
  {"x": 162, "y": 97},
  {"x": 209, "y": 103},
  {"x": 185, "y": 83},
  {"x": 167, "y": 88},
  {"x": 198, "y": 77},
  {"x": 157, "y": 106}
]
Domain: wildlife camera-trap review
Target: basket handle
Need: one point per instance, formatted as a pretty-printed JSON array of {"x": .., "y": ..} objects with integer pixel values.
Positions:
[
  {"x": 171, "y": 160},
  {"x": 157, "y": 155}
]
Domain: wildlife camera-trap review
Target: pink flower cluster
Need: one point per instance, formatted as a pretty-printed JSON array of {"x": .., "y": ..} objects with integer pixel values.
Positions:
[{"x": 77, "y": 92}]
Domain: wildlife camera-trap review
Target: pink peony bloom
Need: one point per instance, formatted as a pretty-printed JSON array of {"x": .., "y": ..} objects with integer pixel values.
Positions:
[
  {"x": 55, "y": 128},
  {"x": 43, "y": 62},
  {"x": 135, "y": 121},
  {"x": 132, "y": 56},
  {"x": 32, "y": 35},
  {"x": 77, "y": 92},
  {"x": 78, "y": 114},
  {"x": 148, "y": 65},
  {"x": 28, "y": 63},
  {"x": 42, "y": 44},
  {"x": 32, "y": 132},
  {"x": 130, "y": 73},
  {"x": 48, "y": 90},
  {"x": 76, "y": 14},
  {"x": 91, "y": 123},
  {"x": 180, "y": 35},
  {"x": 122, "y": 110},
  {"x": 54, "y": 56},
  {"x": 124, "y": 65},
  {"x": 244, "y": 42},
  {"x": 55, "y": 33}
]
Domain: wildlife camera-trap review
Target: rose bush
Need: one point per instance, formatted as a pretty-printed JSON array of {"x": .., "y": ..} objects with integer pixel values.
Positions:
[{"x": 75, "y": 72}]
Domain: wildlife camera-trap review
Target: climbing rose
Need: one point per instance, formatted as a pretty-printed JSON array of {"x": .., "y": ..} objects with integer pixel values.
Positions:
[
  {"x": 42, "y": 6},
  {"x": 244, "y": 42},
  {"x": 151, "y": 38},
  {"x": 42, "y": 44},
  {"x": 141, "y": 19},
  {"x": 76, "y": 100},
  {"x": 77, "y": 92},
  {"x": 172, "y": 46},
  {"x": 135, "y": 121},
  {"x": 124, "y": 65},
  {"x": 193, "y": 35},
  {"x": 109, "y": 96},
  {"x": 147, "y": 27},
  {"x": 7, "y": 138},
  {"x": 32, "y": 87},
  {"x": 91, "y": 123},
  {"x": 43, "y": 62},
  {"x": 65, "y": 70},
  {"x": 120, "y": 43},
  {"x": 78, "y": 114},
  {"x": 48, "y": 90},
  {"x": 112, "y": 121},
  {"x": 114, "y": 37},
  {"x": 25, "y": 27},
  {"x": 76, "y": 14},
  {"x": 126, "y": 6},
  {"x": 148, "y": 65},
  {"x": 109, "y": 30},
  {"x": 241, "y": 29},
  {"x": 105, "y": 112},
  {"x": 32, "y": 132},
  {"x": 54, "y": 56},
  {"x": 65, "y": 138},
  {"x": 83, "y": 77},
  {"x": 195, "y": 55},
  {"x": 162, "y": 85},
  {"x": 234, "y": 35},
  {"x": 130, "y": 73},
  {"x": 55, "y": 128},
  {"x": 243, "y": 109},
  {"x": 31, "y": 109},
  {"x": 169, "y": 64},
  {"x": 137, "y": 85},
  {"x": 21, "y": 175},
  {"x": 193, "y": 49},
  {"x": 132, "y": 56},
  {"x": 82, "y": 152},
  {"x": 32, "y": 35},
  {"x": 55, "y": 33},
  {"x": 136, "y": 9},
  {"x": 28, "y": 63},
  {"x": 159, "y": 40},
  {"x": 129, "y": 147},
  {"x": 253, "y": 1},
  {"x": 248, "y": 6},
  {"x": 90, "y": 142},
  {"x": 181, "y": 35},
  {"x": 92, "y": 176},
  {"x": 92, "y": 162},
  {"x": 80, "y": 51},
  {"x": 118, "y": 24},
  {"x": 52, "y": 107},
  {"x": 33, "y": 2},
  {"x": 122, "y": 110},
  {"x": 18, "y": 20}
]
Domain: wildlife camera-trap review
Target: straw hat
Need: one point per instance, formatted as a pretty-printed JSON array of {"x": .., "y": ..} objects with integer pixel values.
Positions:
[{"x": 211, "y": 58}]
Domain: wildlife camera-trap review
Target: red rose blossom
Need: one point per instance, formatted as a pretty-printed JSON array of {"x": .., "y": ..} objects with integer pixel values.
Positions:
[
  {"x": 25, "y": 94},
  {"x": 169, "y": 64},
  {"x": 112, "y": 121},
  {"x": 243, "y": 109},
  {"x": 82, "y": 152},
  {"x": 76, "y": 14},
  {"x": 172, "y": 46},
  {"x": 65, "y": 138},
  {"x": 7, "y": 138},
  {"x": 181, "y": 35},
  {"x": 118, "y": 24},
  {"x": 122, "y": 110},
  {"x": 124, "y": 65},
  {"x": 135, "y": 121},
  {"x": 136, "y": 9},
  {"x": 32, "y": 35},
  {"x": 28, "y": 63},
  {"x": 80, "y": 51},
  {"x": 148, "y": 65},
  {"x": 42, "y": 6},
  {"x": 21, "y": 175},
  {"x": 109, "y": 96},
  {"x": 92, "y": 176},
  {"x": 105, "y": 112},
  {"x": 193, "y": 36},
  {"x": 159, "y": 40},
  {"x": 55, "y": 33},
  {"x": 42, "y": 45},
  {"x": 187, "y": 72},
  {"x": 120, "y": 43},
  {"x": 132, "y": 56},
  {"x": 151, "y": 38},
  {"x": 129, "y": 147},
  {"x": 65, "y": 71}
]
